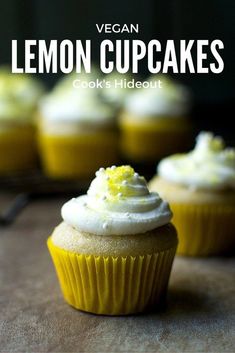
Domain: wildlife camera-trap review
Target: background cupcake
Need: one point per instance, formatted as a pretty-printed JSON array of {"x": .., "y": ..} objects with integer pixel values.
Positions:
[
  {"x": 113, "y": 253},
  {"x": 154, "y": 122},
  {"x": 19, "y": 95},
  {"x": 200, "y": 187},
  {"x": 77, "y": 132}
]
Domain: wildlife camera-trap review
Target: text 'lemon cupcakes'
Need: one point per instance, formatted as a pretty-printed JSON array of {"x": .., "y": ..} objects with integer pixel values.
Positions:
[
  {"x": 155, "y": 121},
  {"x": 19, "y": 94},
  {"x": 114, "y": 251},
  {"x": 77, "y": 132},
  {"x": 200, "y": 187}
]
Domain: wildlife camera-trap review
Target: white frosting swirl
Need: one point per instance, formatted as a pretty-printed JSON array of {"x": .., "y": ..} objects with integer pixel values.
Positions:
[
  {"x": 172, "y": 99},
  {"x": 19, "y": 95},
  {"x": 118, "y": 202},
  {"x": 69, "y": 105},
  {"x": 209, "y": 166},
  {"x": 76, "y": 106}
]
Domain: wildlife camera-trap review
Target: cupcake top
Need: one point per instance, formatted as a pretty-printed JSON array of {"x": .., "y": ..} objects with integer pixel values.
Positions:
[
  {"x": 19, "y": 95},
  {"x": 118, "y": 202},
  {"x": 171, "y": 100},
  {"x": 11, "y": 110},
  {"x": 76, "y": 105},
  {"x": 209, "y": 166},
  {"x": 66, "y": 104},
  {"x": 114, "y": 93}
]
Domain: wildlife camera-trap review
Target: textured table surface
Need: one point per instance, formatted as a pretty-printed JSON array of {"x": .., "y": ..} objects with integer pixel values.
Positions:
[{"x": 34, "y": 318}]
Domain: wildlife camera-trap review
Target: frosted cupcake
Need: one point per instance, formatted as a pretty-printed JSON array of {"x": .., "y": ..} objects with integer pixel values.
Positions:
[
  {"x": 77, "y": 133},
  {"x": 19, "y": 95},
  {"x": 155, "y": 120},
  {"x": 114, "y": 250},
  {"x": 200, "y": 187}
]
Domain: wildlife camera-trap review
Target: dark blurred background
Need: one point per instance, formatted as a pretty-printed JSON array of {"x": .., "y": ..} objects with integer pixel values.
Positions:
[{"x": 175, "y": 19}]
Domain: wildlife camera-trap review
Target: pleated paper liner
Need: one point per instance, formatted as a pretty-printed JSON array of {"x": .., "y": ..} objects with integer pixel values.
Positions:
[
  {"x": 17, "y": 149},
  {"x": 204, "y": 229},
  {"x": 154, "y": 140},
  {"x": 77, "y": 155},
  {"x": 112, "y": 285}
]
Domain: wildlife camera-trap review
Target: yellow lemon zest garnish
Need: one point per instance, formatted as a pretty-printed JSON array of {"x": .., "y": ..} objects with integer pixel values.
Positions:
[{"x": 117, "y": 177}]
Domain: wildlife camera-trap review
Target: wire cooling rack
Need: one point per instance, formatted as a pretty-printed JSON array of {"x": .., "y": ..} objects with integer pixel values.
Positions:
[{"x": 34, "y": 185}]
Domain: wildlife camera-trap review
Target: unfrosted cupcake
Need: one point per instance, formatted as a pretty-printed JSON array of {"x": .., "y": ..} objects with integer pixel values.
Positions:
[
  {"x": 155, "y": 120},
  {"x": 19, "y": 95},
  {"x": 77, "y": 133},
  {"x": 200, "y": 187},
  {"x": 114, "y": 250}
]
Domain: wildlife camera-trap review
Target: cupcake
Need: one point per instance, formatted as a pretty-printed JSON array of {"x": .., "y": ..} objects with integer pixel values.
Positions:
[
  {"x": 114, "y": 250},
  {"x": 77, "y": 133},
  {"x": 200, "y": 187},
  {"x": 19, "y": 95},
  {"x": 155, "y": 120}
]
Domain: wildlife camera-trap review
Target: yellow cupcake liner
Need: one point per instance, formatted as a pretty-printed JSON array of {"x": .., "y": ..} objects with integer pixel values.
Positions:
[
  {"x": 113, "y": 285},
  {"x": 17, "y": 149},
  {"x": 204, "y": 229},
  {"x": 154, "y": 140},
  {"x": 77, "y": 156}
]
